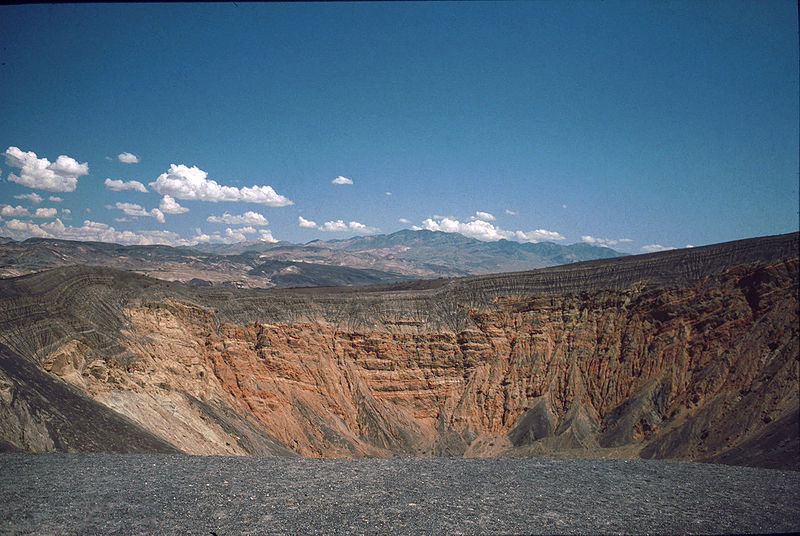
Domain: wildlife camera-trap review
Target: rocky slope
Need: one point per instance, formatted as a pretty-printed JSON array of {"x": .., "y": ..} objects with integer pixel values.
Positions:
[{"x": 689, "y": 354}]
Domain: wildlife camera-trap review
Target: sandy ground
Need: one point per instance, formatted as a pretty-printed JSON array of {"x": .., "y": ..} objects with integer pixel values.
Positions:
[{"x": 175, "y": 494}]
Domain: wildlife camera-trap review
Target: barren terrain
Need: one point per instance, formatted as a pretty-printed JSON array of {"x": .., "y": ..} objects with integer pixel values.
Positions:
[{"x": 161, "y": 494}]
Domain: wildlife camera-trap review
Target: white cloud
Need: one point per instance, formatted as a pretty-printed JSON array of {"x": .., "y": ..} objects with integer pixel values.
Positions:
[
  {"x": 358, "y": 227},
  {"x": 355, "y": 226},
  {"x": 485, "y": 216},
  {"x": 182, "y": 182},
  {"x": 248, "y": 218},
  {"x": 511, "y": 212},
  {"x": 234, "y": 235},
  {"x": 120, "y": 185},
  {"x": 651, "y": 248},
  {"x": 21, "y": 229},
  {"x": 404, "y": 220},
  {"x": 132, "y": 209},
  {"x": 603, "y": 241},
  {"x": 55, "y": 199},
  {"x": 59, "y": 176},
  {"x": 538, "y": 235},
  {"x": 92, "y": 231},
  {"x": 307, "y": 223},
  {"x": 342, "y": 180},
  {"x": 169, "y": 206},
  {"x": 388, "y": 193},
  {"x": 333, "y": 226},
  {"x": 47, "y": 213},
  {"x": 484, "y": 230},
  {"x": 32, "y": 197},
  {"x": 66, "y": 213},
  {"x": 265, "y": 235},
  {"x": 128, "y": 158},
  {"x": 15, "y": 212},
  {"x": 337, "y": 226},
  {"x": 231, "y": 236}
]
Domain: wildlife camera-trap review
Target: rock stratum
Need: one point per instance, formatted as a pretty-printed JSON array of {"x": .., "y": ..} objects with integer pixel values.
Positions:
[{"x": 688, "y": 354}]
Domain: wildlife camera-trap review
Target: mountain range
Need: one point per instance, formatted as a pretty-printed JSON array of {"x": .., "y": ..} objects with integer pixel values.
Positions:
[{"x": 401, "y": 256}]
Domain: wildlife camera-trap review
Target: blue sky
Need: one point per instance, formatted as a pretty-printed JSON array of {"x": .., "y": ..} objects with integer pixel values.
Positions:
[{"x": 641, "y": 125}]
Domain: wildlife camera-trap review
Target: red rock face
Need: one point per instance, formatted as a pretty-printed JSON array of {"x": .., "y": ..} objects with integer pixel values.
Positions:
[{"x": 679, "y": 372}]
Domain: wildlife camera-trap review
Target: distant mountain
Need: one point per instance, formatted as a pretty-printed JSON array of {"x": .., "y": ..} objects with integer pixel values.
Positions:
[
  {"x": 245, "y": 270},
  {"x": 237, "y": 248},
  {"x": 452, "y": 251},
  {"x": 401, "y": 256}
]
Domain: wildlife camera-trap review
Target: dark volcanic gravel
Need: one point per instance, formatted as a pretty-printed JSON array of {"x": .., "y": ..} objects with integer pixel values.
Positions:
[{"x": 176, "y": 494}]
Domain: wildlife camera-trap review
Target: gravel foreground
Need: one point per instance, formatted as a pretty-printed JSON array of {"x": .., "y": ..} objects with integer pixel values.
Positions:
[{"x": 177, "y": 494}]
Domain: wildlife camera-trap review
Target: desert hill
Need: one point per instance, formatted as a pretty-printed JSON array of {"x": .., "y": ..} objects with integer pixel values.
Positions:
[
  {"x": 688, "y": 354},
  {"x": 401, "y": 256}
]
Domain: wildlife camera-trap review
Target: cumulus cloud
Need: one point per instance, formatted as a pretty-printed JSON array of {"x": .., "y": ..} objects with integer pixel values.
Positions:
[
  {"x": 487, "y": 231},
  {"x": 182, "y": 182},
  {"x": 485, "y": 216},
  {"x": 404, "y": 220},
  {"x": 337, "y": 226},
  {"x": 66, "y": 213},
  {"x": 132, "y": 209},
  {"x": 342, "y": 180},
  {"x": 45, "y": 213},
  {"x": 128, "y": 158},
  {"x": 604, "y": 241},
  {"x": 388, "y": 193},
  {"x": 231, "y": 236},
  {"x": 32, "y": 197},
  {"x": 359, "y": 227},
  {"x": 537, "y": 235},
  {"x": 265, "y": 235},
  {"x": 511, "y": 212},
  {"x": 22, "y": 229},
  {"x": 92, "y": 231},
  {"x": 170, "y": 206},
  {"x": 55, "y": 199},
  {"x": 14, "y": 212},
  {"x": 120, "y": 185},
  {"x": 354, "y": 226},
  {"x": 248, "y": 218},
  {"x": 308, "y": 224},
  {"x": 59, "y": 176},
  {"x": 652, "y": 248},
  {"x": 333, "y": 226}
]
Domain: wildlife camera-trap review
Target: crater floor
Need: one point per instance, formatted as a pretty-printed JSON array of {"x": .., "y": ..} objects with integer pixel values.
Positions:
[{"x": 178, "y": 494}]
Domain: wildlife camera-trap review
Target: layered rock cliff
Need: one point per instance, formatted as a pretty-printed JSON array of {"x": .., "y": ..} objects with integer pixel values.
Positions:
[{"x": 690, "y": 354}]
